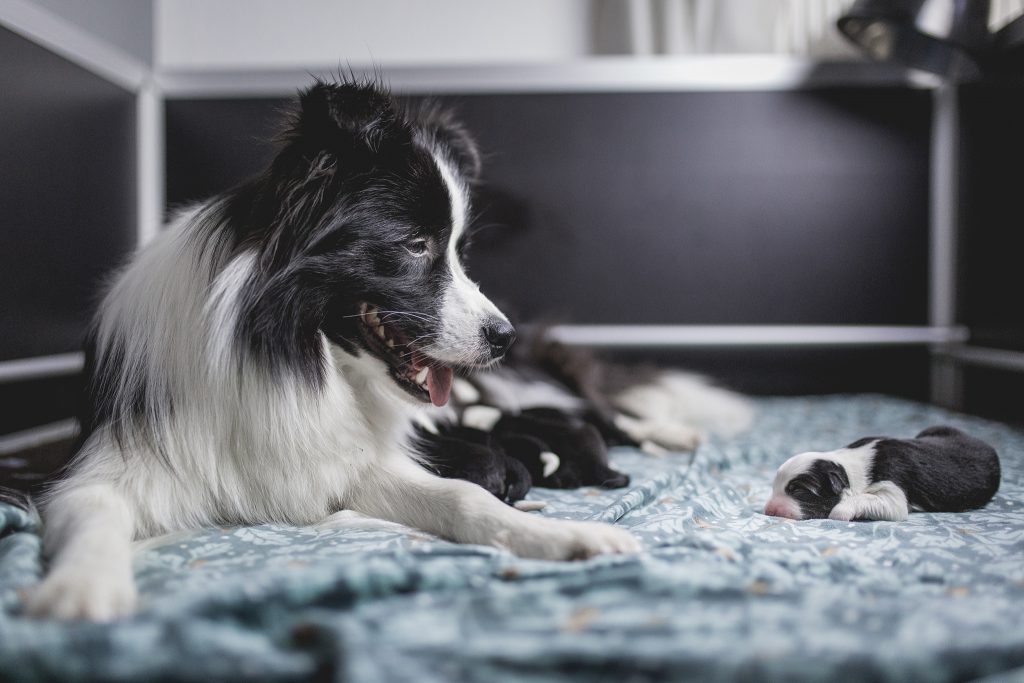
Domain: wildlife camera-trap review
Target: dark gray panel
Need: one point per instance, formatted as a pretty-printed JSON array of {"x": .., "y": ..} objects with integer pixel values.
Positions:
[
  {"x": 213, "y": 144},
  {"x": 67, "y": 188},
  {"x": 899, "y": 371},
  {"x": 763, "y": 207},
  {"x": 992, "y": 219},
  {"x": 996, "y": 394},
  {"x": 37, "y": 402},
  {"x": 708, "y": 207}
]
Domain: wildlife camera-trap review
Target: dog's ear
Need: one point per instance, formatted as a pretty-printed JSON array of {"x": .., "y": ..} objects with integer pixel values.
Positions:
[
  {"x": 341, "y": 115},
  {"x": 450, "y": 137}
]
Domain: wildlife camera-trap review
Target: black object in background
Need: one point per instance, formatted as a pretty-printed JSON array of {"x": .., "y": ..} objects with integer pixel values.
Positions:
[
  {"x": 67, "y": 188},
  {"x": 992, "y": 214}
]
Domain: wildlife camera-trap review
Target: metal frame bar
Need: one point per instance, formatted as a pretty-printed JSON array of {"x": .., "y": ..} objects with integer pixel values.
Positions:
[
  {"x": 149, "y": 121},
  {"x": 38, "y": 436},
  {"x": 696, "y": 73},
  {"x": 999, "y": 359},
  {"x": 631, "y": 336},
  {"x": 668, "y": 336},
  {"x": 57, "y": 365},
  {"x": 67, "y": 40},
  {"x": 946, "y": 375}
]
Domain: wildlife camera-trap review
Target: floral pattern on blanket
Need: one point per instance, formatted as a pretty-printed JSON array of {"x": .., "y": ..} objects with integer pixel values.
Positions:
[{"x": 722, "y": 592}]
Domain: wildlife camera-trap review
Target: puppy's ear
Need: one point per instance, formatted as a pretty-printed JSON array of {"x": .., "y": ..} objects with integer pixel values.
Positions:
[
  {"x": 347, "y": 113},
  {"x": 836, "y": 482}
]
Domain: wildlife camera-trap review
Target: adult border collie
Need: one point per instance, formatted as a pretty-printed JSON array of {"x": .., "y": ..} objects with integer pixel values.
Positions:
[{"x": 259, "y": 361}]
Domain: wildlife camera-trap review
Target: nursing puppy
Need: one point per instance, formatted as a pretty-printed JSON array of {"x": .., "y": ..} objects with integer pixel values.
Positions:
[
  {"x": 259, "y": 360},
  {"x": 472, "y": 454},
  {"x": 542, "y": 447},
  {"x": 940, "y": 470},
  {"x": 561, "y": 450}
]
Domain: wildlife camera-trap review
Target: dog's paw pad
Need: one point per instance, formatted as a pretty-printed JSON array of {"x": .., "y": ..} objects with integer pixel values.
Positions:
[
  {"x": 565, "y": 540},
  {"x": 602, "y": 539}
]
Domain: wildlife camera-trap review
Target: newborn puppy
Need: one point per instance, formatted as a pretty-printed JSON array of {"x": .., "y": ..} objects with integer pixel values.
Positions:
[
  {"x": 940, "y": 470},
  {"x": 471, "y": 454},
  {"x": 534, "y": 435},
  {"x": 508, "y": 454}
]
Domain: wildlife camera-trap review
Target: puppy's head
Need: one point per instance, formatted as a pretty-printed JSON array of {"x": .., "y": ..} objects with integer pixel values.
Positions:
[
  {"x": 360, "y": 226},
  {"x": 807, "y": 486}
]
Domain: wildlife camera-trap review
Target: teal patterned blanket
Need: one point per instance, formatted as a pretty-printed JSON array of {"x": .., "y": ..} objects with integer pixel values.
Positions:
[{"x": 721, "y": 593}]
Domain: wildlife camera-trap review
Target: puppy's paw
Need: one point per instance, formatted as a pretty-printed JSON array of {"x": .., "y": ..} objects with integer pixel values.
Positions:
[
  {"x": 551, "y": 539},
  {"x": 842, "y": 513},
  {"x": 67, "y": 594}
]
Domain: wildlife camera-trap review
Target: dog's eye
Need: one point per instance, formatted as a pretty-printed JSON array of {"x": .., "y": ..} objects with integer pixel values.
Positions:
[{"x": 418, "y": 247}]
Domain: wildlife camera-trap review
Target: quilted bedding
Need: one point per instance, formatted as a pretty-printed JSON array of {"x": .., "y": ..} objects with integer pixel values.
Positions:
[{"x": 721, "y": 593}]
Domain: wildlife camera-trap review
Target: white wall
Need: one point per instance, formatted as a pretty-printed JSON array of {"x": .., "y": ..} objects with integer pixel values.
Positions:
[{"x": 226, "y": 34}]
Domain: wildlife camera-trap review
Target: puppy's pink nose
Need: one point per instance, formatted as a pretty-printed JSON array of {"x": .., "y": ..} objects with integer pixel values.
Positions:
[{"x": 778, "y": 508}]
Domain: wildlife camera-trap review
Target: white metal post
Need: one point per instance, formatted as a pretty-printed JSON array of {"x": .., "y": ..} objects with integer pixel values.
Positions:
[{"x": 946, "y": 374}]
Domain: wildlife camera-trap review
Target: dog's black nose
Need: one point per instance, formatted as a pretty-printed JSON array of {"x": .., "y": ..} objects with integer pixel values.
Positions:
[{"x": 499, "y": 335}]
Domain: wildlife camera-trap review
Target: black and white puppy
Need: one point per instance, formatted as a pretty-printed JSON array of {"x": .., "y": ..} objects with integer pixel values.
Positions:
[
  {"x": 474, "y": 455},
  {"x": 261, "y": 359},
  {"x": 940, "y": 470},
  {"x": 560, "y": 449},
  {"x": 543, "y": 447}
]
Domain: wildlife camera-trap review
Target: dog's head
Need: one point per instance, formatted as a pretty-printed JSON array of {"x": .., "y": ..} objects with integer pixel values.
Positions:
[
  {"x": 807, "y": 486},
  {"x": 360, "y": 225}
]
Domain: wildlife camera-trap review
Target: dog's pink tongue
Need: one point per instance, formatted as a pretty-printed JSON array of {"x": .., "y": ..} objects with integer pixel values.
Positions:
[{"x": 439, "y": 384}]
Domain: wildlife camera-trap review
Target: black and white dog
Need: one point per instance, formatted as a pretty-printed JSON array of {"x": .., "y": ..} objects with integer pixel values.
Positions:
[
  {"x": 259, "y": 361},
  {"x": 940, "y": 470}
]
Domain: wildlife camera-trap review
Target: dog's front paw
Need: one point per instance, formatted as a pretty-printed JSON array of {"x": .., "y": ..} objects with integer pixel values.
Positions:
[
  {"x": 66, "y": 594},
  {"x": 551, "y": 539}
]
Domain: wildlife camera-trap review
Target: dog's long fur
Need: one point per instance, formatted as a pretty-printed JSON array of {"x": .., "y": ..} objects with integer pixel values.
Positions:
[{"x": 231, "y": 382}]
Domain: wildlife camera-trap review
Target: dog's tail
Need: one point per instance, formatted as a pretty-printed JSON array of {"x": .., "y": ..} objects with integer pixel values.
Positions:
[
  {"x": 678, "y": 397},
  {"x": 654, "y": 395}
]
